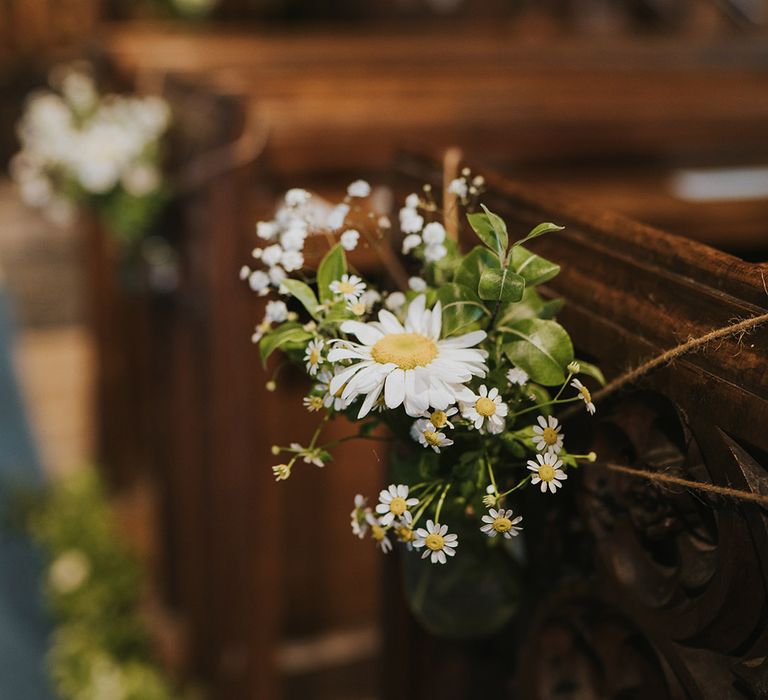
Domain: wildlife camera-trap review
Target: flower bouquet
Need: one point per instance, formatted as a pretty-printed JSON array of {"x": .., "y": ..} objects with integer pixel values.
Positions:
[
  {"x": 79, "y": 147},
  {"x": 464, "y": 368}
]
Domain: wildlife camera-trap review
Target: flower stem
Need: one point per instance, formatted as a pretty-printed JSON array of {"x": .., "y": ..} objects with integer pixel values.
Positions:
[
  {"x": 490, "y": 474},
  {"x": 518, "y": 486},
  {"x": 440, "y": 502},
  {"x": 539, "y": 406},
  {"x": 565, "y": 383}
]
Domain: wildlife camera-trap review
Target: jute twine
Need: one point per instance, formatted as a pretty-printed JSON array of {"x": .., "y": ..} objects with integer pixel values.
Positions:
[{"x": 633, "y": 375}]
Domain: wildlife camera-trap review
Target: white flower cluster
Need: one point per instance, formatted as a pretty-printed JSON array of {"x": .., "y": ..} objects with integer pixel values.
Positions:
[
  {"x": 466, "y": 186},
  {"x": 430, "y": 239},
  {"x": 78, "y": 140}
]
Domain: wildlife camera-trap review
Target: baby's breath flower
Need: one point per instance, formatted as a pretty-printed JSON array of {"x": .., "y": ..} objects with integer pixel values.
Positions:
[
  {"x": 292, "y": 260},
  {"x": 458, "y": 187},
  {"x": 500, "y": 522},
  {"x": 411, "y": 241},
  {"x": 276, "y": 311},
  {"x": 266, "y": 230},
  {"x": 264, "y": 327},
  {"x": 337, "y": 217},
  {"x": 359, "y": 188},
  {"x": 433, "y": 233},
  {"x": 437, "y": 541},
  {"x": 435, "y": 252},
  {"x": 281, "y": 471},
  {"x": 517, "y": 376},
  {"x": 349, "y": 239},
  {"x": 258, "y": 281},
  {"x": 271, "y": 255},
  {"x": 394, "y": 503},
  {"x": 417, "y": 284},
  {"x": 585, "y": 395},
  {"x": 384, "y": 222},
  {"x": 359, "y": 516},
  {"x": 395, "y": 301},
  {"x": 410, "y": 220},
  {"x": 546, "y": 470},
  {"x": 296, "y": 197},
  {"x": 313, "y": 403},
  {"x": 547, "y": 436}
]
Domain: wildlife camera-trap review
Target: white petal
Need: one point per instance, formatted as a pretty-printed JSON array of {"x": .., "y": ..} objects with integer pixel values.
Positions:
[
  {"x": 414, "y": 318},
  {"x": 394, "y": 389},
  {"x": 389, "y": 322},
  {"x": 464, "y": 341},
  {"x": 367, "y": 333},
  {"x": 436, "y": 321}
]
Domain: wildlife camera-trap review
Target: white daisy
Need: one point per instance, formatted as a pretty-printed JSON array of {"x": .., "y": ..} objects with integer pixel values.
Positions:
[
  {"x": 314, "y": 355},
  {"x": 409, "y": 362},
  {"x": 358, "y": 515},
  {"x": 276, "y": 311},
  {"x": 547, "y": 471},
  {"x": 359, "y": 188},
  {"x": 547, "y": 436},
  {"x": 585, "y": 395},
  {"x": 330, "y": 400},
  {"x": 411, "y": 241},
  {"x": 349, "y": 286},
  {"x": 437, "y": 541},
  {"x": 485, "y": 410},
  {"x": 349, "y": 239},
  {"x": 500, "y": 522},
  {"x": 379, "y": 533},
  {"x": 394, "y": 503},
  {"x": 517, "y": 376},
  {"x": 429, "y": 436},
  {"x": 312, "y": 403},
  {"x": 417, "y": 284},
  {"x": 404, "y": 529},
  {"x": 440, "y": 418}
]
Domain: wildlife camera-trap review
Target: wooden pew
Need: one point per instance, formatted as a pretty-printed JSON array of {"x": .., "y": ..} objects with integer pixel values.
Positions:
[{"x": 634, "y": 590}]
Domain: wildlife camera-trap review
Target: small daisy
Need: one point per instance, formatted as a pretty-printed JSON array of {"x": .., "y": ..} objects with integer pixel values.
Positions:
[
  {"x": 308, "y": 455},
  {"x": 314, "y": 356},
  {"x": 276, "y": 311},
  {"x": 517, "y": 376},
  {"x": 547, "y": 436},
  {"x": 440, "y": 418},
  {"x": 379, "y": 533},
  {"x": 359, "y": 188},
  {"x": 429, "y": 436},
  {"x": 404, "y": 529},
  {"x": 585, "y": 395},
  {"x": 349, "y": 286},
  {"x": 312, "y": 403},
  {"x": 349, "y": 239},
  {"x": 281, "y": 472},
  {"x": 485, "y": 410},
  {"x": 357, "y": 307},
  {"x": 437, "y": 541},
  {"x": 394, "y": 503},
  {"x": 490, "y": 500},
  {"x": 500, "y": 522},
  {"x": 359, "y": 515},
  {"x": 547, "y": 471}
]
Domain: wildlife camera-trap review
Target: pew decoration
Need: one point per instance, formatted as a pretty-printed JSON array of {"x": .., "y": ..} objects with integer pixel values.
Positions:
[
  {"x": 464, "y": 368},
  {"x": 80, "y": 148}
]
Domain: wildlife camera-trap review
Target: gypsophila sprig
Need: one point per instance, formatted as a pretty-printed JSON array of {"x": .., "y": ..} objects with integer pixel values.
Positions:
[{"x": 463, "y": 364}]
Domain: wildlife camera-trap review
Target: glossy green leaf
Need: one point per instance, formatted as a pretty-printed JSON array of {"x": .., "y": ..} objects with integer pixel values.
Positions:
[
  {"x": 542, "y": 348},
  {"x": 472, "y": 266},
  {"x": 530, "y": 306},
  {"x": 500, "y": 285},
  {"x": 591, "y": 371},
  {"x": 462, "y": 308},
  {"x": 331, "y": 268},
  {"x": 534, "y": 269},
  {"x": 303, "y": 292},
  {"x": 499, "y": 229},
  {"x": 539, "y": 230},
  {"x": 280, "y": 337}
]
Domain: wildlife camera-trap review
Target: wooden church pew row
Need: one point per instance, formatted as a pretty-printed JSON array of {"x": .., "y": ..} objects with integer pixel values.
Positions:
[{"x": 670, "y": 581}]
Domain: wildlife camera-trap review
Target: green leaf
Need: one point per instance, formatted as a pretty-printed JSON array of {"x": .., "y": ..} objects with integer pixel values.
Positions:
[
  {"x": 471, "y": 267},
  {"x": 539, "y": 230},
  {"x": 530, "y": 306},
  {"x": 331, "y": 268},
  {"x": 542, "y": 348},
  {"x": 303, "y": 292},
  {"x": 491, "y": 230},
  {"x": 535, "y": 270},
  {"x": 461, "y": 308},
  {"x": 501, "y": 285},
  {"x": 591, "y": 371},
  {"x": 287, "y": 333}
]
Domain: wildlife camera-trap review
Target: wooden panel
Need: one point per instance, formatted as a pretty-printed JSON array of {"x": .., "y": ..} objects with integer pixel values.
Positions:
[{"x": 636, "y": 591}]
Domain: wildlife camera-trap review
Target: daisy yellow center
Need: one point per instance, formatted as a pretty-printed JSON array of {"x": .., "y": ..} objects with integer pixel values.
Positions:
[
  {"x": 439, "y": 419},
  {"x": 502, "y": 524},
  {"x": 546, "y": 472},
  {"x": 549, "y": 435},
  {"x": 316, "y": 403},
  {"x": 432, "y": 437},
  {"x": 358, "y": 309},
  {"x": 314, "y": 356},
  {"x": 377, "y": 532},
  {"x": 346, "y": 288},
  {"x": 406, "y": 350},
  {"x": 585, "y": 394},
  {"x": 485, "y": 406},
  {"x": 434, "y": 542},
  {"x": 398, "y": 506},
  {"x": 405, "y": 533}
]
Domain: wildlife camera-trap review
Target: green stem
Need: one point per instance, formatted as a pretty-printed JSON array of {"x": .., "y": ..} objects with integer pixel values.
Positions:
[
  {"x": 565, "y": 383},
  {"x": 425, "y": 504},
  {"x": 516, "y": 487},
  {"x": 538, "y": 407},
  {"x": 490, "y": 474},
  {"x": 440, "y": 502}
]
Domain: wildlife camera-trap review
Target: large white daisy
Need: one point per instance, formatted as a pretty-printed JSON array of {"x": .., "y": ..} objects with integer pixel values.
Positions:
[{"x": 408, "y": 362}]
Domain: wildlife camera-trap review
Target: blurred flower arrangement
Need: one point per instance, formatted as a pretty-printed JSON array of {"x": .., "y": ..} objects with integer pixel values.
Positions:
[
  {"x": 100, "y": 647},
  {"x": 464, "y": 367},
  {"x": 104, "y": 151}
]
